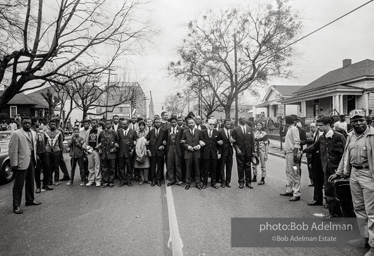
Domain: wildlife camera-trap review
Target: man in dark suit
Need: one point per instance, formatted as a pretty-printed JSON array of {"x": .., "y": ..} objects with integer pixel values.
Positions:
[
  {"x": 225, "y": 140},
  {"x": 244, "y": 146},
  {"x": 126, "y": 139},
  {"x": 192, "y": 142},
  {"x": 174, "y": 153},
  {"x": 199, "y": 125},
  {"x": 210, "y": 154},
  {"x": 22, "y": 155},
  {"x": 156, "y": 139}
]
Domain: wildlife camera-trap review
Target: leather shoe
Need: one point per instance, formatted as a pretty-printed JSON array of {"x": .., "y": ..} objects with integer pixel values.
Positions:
[
  {"x": 104, "y": 185},
  {"x": 241, "y": 186},
  {"x": 215, "y": 186},
  {"x": 32, "y": 203},
  {"x": 180, "y": 184},
  {"x": 37, "y": 191},
  {"x": 198, "y": 186},
  {"x": 223, "y": 185},
  {"x": 294, "y": 198},
  {"x": 159, "y": 183},
  {"x": 314, "y": 203},
  {"x": 228, "y": 185},
  {"x": 56, "y": 183},
  {"x": 187, "y": 187},
  {"x": 286, "y": 194},
  {"x": 248, "y": 186},
  {"x": 153, "y": 183},
  {"x": 121, "y": 184},
  {"x": 17, "y": 210},
  {"x": 170, "y": 183},
  {"x": 111, "y": 185},
  {"x": 129, "y": 184},
  {"x": 204, "y": 186},
  {"x": 47, "y": 188}
]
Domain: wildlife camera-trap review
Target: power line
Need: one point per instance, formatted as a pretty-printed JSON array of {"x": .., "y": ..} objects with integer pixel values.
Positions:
[{"x": 311, "y": 33}]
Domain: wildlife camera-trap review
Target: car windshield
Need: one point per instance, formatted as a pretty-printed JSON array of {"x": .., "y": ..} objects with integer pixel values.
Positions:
[{"x": 4, "y": 140}]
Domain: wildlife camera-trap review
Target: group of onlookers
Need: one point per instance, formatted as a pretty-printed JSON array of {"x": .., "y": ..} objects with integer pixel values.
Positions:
[{"x": 336, "y": 150}]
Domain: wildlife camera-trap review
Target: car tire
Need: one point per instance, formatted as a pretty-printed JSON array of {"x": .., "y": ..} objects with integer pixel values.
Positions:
[{"x": 6, "y": 173}]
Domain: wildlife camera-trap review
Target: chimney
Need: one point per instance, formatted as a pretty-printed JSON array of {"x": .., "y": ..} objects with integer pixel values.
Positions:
[{"x": 347, "y": 62}]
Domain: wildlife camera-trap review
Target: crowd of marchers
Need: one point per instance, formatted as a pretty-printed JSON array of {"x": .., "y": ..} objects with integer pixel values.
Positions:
[{"x": 193, "y": 153}]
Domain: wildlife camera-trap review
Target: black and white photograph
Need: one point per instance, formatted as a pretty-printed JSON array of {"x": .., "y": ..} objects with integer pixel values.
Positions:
[{"x": 186, "y": 127}]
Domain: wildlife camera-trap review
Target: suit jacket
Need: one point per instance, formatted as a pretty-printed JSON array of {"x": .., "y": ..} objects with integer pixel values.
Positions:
[
  {"x": 126, "y": 143},
  {"x": 19, "y": 150},
  {"x": 191, "y": 141},
  {"x": 244, "y": 142},
  {"x": 177, "y": 140},
  {"x": 156, "y": 142},
  {"x": 211, "y": 148},
  {"x": 226, "y": 148}
]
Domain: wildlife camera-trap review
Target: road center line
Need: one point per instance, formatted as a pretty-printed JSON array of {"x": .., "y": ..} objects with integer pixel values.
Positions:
[{"x": 175, "y": 241}]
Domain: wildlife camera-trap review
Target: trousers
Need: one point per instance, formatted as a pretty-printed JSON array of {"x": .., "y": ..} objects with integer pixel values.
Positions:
[{"x": 293, "y": 176}]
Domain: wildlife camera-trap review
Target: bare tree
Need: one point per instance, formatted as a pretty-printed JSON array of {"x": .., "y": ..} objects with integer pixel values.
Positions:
[
  {"x": 86, "y": 31},
  {"x": 52, "y": 101},
  {"x": 244, "y": 47},
  {"x": 175, "y": 103}
]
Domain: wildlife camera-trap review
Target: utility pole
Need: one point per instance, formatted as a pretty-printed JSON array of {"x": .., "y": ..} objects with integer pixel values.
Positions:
[
  {"x": 107, "y": 94},
  {"x": 236, "y": 83}
]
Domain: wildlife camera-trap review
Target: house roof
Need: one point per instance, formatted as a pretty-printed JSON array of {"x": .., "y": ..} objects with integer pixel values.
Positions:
[
  {"x": 40, "y": 103},
  {"x": 287, "y": 90},
  {"x": 357, "y": 70},
  {"x": 20, "y": 99}
]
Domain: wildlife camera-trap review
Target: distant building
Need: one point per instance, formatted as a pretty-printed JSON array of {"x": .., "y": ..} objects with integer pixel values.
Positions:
[
  {"x": 132, "y": 97},
  {"x": 338, "y": 91},
  {"x": 24, "y": 105},
  {"x": 244, "y": 111},
  {"x": 271, "y": 105}
]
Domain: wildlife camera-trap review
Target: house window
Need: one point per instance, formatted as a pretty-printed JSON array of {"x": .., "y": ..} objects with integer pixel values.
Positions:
[
  {"x": 13, "y": 111},
  {"x": 275, "y": 112}
]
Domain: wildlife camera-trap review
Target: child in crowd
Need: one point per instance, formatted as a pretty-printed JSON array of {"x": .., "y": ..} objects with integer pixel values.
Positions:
[{"x": 76, "y": 154}]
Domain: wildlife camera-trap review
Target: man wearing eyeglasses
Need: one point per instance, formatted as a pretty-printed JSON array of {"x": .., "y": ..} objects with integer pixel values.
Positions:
[{"x": 358, "y": 163}]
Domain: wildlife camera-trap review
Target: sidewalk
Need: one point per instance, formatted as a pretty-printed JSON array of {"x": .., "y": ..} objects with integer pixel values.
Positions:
[{"x": 274, "y": 149}]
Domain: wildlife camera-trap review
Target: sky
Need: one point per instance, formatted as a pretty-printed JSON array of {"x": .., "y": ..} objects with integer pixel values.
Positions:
[{"x": 349, "y": 38}]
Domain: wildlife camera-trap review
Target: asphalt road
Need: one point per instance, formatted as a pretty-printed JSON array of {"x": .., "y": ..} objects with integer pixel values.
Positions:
[{"x": 76, "y": 220}]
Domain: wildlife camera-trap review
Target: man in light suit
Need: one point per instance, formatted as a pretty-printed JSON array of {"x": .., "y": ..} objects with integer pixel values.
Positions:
[
  {"x": 22, "y": 155},
  {"x": 244, "y": 146}
]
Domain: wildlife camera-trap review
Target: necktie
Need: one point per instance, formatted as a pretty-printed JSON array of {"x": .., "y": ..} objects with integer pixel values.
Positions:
[
  {"x": 125, "y": 133},
  {"x": 210, "y": 133},
  {"x": 191, "y": 132},
  {"x": 228, "y": 135}
]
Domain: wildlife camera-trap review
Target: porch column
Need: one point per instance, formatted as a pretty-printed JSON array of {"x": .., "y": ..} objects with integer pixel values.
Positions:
[
  {"x": 341, "y": 104},
  {"x": 366, "y": 98},
  {"x": 303, "y": 109}
]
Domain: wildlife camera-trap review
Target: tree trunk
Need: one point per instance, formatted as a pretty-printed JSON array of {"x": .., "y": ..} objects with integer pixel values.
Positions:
[
  {"x": 68, "y": 114},
  {"x": 85, "y": 111},
  {"x": 11, "y": 91},
  {"x": 227, "y": 109}
]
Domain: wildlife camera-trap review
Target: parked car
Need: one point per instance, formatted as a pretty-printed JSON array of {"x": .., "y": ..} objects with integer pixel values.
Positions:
[{"x": 6, "y": 173}]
